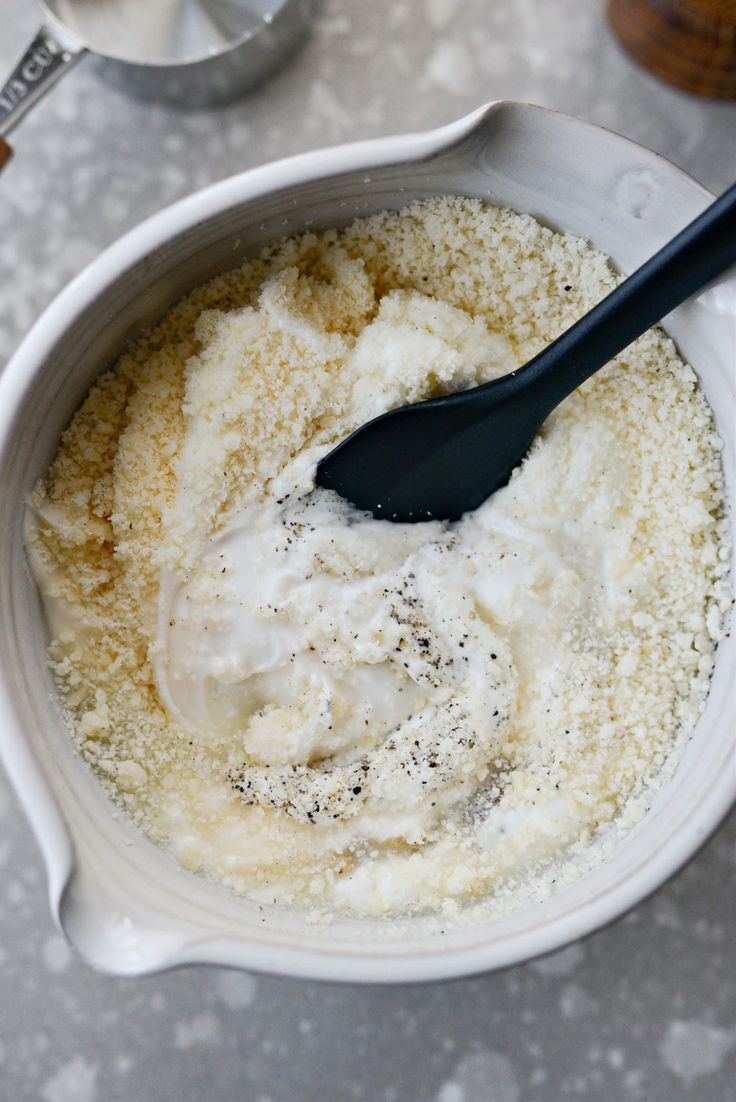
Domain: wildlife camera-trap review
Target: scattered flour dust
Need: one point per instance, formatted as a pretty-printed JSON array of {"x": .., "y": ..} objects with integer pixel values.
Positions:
[
  {"x": 693, "y": 1049},
  {"x": 236, "y": 989},
  {"x": 482, "y": 1077},
  {"x": 202, "y": 1029},
  {"x": 329, "y": 711},
  {"x": 75, "y": 1081}
]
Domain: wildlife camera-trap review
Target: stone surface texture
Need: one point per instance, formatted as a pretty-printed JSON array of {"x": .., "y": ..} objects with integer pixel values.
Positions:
[{"x": 644, "y": 1010}]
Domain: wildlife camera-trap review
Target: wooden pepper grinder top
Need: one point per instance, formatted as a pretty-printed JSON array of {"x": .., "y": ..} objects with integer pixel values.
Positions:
[{"x": 690, "y": 43}]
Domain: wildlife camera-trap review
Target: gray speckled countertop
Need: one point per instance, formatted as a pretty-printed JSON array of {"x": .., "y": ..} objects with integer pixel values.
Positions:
[{"x": 643, "y": 1010}]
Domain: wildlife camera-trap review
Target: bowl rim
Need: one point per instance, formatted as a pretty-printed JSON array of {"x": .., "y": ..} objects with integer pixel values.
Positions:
[{"x": 40, "y": 806}]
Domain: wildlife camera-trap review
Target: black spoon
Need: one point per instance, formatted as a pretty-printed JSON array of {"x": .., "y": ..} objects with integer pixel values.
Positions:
[{"x": 438, "y": 459}]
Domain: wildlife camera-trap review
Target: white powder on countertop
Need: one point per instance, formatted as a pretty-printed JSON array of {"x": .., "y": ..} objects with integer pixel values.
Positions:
[{"x": 319, "y": 708}]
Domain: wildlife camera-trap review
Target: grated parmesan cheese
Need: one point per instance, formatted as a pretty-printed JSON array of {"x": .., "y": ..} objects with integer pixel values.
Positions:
[{"x": 321, "y": 709}]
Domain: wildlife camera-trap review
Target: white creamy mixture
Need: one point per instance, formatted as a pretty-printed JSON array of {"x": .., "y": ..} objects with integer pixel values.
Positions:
[{"x": 320, "y": 708}]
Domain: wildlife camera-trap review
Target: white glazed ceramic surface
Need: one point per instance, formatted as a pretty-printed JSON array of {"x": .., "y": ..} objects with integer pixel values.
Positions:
[{"x": 124, "y": 904}]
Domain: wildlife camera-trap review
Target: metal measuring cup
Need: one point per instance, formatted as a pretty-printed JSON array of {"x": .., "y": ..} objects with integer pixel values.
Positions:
[{"x": 188, "y": 52}]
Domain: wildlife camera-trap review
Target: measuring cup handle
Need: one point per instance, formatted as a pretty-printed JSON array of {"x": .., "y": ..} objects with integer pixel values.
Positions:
[{"x": 45, "y": 60}]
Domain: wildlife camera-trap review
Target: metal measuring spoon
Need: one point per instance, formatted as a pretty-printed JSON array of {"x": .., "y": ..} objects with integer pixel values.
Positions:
[
  {"x": 190, "y": 52},
  {"x": 438, "y": 459}
]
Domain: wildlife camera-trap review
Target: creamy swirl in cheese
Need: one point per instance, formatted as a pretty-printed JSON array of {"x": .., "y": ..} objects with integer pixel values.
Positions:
[{"x": 346, "y": 656}]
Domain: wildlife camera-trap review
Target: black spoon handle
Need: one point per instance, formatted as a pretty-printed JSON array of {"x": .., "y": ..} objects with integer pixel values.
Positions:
[{"x": 702, "y": 251}]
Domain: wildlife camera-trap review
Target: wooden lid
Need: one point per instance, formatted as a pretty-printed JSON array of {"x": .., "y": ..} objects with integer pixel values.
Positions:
[
  {"x": 5, "y": 152},
  {"x": 689, "y": 43}
]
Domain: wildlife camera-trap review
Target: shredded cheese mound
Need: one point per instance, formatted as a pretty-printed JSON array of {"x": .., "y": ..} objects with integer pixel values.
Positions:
[{"x": 317, "y": 708}]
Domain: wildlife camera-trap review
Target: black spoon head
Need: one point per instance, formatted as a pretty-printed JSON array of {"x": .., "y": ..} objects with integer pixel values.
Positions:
[{"x": 434, "y": 460}]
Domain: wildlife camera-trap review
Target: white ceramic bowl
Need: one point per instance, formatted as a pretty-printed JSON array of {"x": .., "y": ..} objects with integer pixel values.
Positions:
[{"x": 124, "y": 904}]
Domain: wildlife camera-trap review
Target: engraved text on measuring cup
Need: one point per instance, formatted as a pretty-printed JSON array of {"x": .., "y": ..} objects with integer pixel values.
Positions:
[
  {"x": 40, "y": 64},
  {"x": 31, "y": 70}
]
